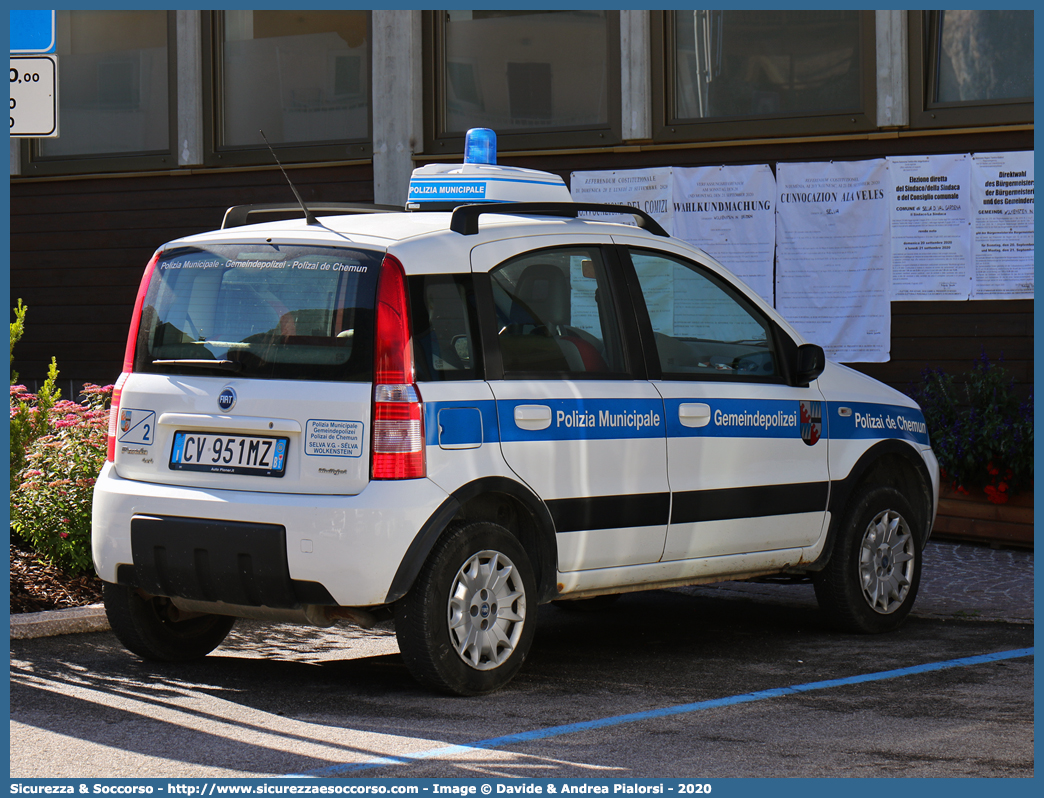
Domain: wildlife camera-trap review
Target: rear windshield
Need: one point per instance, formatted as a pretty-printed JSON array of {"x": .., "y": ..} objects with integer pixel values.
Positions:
[{"x": 261, "y": 310}]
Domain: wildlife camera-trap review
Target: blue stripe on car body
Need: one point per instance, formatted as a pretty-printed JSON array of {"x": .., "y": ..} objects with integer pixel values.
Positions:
[{"x": 613, "y": 419}]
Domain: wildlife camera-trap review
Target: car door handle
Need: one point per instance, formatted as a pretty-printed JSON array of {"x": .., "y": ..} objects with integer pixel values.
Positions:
[
  {"x": 694, "y": 414},
  {"x": 533, "y": 417}
]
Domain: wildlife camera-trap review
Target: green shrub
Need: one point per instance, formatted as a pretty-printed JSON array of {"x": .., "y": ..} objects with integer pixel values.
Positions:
[
  {"x": 51, "y": 498},
  {"x": 981, "y": 432},
  {"x": 30, "y": 413}
]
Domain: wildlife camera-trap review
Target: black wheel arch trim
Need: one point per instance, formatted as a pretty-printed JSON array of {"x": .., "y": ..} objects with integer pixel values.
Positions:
[
  {"x": 842, "y": 490},
  {"x": 545, "y": 559}
]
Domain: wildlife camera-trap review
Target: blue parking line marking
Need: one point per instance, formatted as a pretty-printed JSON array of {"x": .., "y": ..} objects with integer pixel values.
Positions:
[{"x": 663, "y": 712}]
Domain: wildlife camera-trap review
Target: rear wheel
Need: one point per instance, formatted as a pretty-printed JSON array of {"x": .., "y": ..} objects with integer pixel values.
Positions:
[
  {"x": 467, "y": 623},
  {"x": 871, "y": 581},
  {"x": 146, "y": 626}
]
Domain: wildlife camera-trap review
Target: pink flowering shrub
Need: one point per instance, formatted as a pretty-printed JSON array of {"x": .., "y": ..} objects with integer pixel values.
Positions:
[
  {"x": 52, "y": 492},
  {"x": 30, "y": 418}
]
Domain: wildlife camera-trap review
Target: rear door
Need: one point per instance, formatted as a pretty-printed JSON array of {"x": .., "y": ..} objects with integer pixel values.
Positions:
[
  {"x": 746, "y": 451},
  {"x": 253, "y": 370},
  {"x": 578, "y": 421}
]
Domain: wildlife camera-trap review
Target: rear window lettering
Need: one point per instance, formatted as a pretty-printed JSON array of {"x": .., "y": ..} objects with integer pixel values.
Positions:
[{"x": 278, "y": 312}]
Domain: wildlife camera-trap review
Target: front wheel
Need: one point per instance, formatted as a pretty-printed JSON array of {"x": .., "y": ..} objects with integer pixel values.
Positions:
[
  {"x": 871, "y": 581},
  {"x": 467, "y": 623},
  {"x": 147, "y": 626}
]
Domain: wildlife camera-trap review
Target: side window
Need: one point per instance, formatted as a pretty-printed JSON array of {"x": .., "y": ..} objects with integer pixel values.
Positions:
[
  {"x": 445, "y": 346},
  {"x": 555, "y": 315},
  {"x": 702, "y": 327}
]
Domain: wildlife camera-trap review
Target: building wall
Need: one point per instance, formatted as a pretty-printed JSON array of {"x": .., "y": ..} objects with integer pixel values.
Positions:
[
  {"x": 79, "y": 243},
  {"x": 946, "y": 335}
]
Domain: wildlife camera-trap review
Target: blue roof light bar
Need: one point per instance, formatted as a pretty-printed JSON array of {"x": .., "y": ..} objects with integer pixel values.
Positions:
[{"x": 480, "y": 146}]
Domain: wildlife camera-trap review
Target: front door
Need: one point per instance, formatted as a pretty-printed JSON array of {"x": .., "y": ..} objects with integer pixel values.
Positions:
[{"x": 746, "y": 451}]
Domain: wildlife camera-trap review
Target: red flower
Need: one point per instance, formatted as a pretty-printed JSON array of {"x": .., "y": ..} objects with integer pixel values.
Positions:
[{"x": 996, "y": 496}]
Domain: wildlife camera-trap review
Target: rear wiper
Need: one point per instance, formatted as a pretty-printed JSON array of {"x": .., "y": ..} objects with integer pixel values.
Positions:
[{"x": 224, "y": 365}]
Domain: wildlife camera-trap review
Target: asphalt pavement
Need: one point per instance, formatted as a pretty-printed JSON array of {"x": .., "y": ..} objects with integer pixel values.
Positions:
[
  {"x": 735, "y": 680},
  {"x": 959, "y": 580}
]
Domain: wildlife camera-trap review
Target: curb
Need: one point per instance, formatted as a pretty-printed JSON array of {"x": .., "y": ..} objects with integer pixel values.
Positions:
[{"x": 26, "y": 625}]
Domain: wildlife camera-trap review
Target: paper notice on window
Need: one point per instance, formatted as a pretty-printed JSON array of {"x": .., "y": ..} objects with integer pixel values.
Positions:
[
  {"x": 727, "y": 211},
  {"x": 931, "y": 227},
  {"x": 648, "y": 190},
  {"x": 657, "y": 277},
  {"x": 833, "y": 271},
  {"x": 1002, "y": 226}
]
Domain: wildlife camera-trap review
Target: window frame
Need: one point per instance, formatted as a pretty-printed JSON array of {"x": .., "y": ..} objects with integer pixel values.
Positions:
[
  {"x": 34, "y": 164},
  {"x": 217, "y": 154},
  {"x": 923, "y": 31},
  {"x": 669, "y": 128},
  {"x": 440, "y": 142},
  {"x": 415, "y": 285},
  {"x": 781, "y": 345}
]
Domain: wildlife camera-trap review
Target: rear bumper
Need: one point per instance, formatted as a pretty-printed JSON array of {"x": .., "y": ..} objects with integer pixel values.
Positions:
[{"x": 349, "y": 545}]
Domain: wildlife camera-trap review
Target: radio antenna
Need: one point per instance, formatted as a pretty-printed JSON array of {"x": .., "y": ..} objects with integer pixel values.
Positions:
[{"x": 309, "y": 217}]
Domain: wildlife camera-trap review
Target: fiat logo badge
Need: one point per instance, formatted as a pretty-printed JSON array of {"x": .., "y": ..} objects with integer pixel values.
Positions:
[{"x": 226, "y": 399}]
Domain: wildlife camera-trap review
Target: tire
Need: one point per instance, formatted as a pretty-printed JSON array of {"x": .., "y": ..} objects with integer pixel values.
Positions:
[
  {"x": 466, "y": 625},
  {"x": 871, "y": 581},
  {"x": 593, "y": 604},
  {"x": 144, "y": 627}
]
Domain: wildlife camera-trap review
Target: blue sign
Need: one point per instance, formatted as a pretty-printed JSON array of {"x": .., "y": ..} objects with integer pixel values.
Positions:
[
  {"x": 32, "y": 32},
  {"x": 441, "y": 190}
]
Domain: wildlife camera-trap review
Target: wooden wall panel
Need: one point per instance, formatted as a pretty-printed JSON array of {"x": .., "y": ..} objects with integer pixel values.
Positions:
[{"x": 953, "y": 335}]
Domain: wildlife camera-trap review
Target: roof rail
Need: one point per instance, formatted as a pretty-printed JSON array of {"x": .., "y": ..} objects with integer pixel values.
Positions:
[
  {"x": 465, "y": 218},
  {"x": 238, "y": 215}
]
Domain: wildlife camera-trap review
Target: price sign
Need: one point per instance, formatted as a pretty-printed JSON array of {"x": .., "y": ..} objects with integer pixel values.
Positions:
[{"x": 34, "y": 96}]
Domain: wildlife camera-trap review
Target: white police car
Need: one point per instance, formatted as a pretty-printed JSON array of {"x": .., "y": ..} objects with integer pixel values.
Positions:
[{"x": 452, "y": 415}]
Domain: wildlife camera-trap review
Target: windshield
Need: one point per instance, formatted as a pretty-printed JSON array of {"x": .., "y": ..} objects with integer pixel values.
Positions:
[{"x": 261, "y": 310}]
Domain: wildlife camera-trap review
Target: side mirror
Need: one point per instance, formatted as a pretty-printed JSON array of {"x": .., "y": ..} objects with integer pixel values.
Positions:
[{"x": 810, "y": 362}]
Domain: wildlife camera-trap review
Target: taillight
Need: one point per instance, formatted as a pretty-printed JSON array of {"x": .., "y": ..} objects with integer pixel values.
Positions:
[
  {"x": 397, "y": 444},
  {"x": 128, "y": 358},
  {"x": 139, "y": 303},
  {"x": 114, "y": 417}
]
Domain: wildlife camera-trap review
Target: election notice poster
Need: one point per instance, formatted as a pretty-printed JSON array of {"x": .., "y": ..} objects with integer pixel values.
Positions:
[
  {"x": 833, "y": 270},
  {"x": 931, "y": 227},
  {"x": 1002, "y": 227},
  {"x": 728, "y": 211},
  {"x": 646, "y": 189}
]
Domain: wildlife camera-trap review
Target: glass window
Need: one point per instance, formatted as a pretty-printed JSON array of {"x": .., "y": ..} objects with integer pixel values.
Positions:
[
  {"x": 443, "y": 318},
  {"x": 555, "y": 314},
  {"x": 983, "y": 55},
  {"x": 971, "y": 68},
  {"x": 524, "y": 71},
  {"x": 300, "y": 76},
  {"x": 763, "y": 63},
  {"x": 113, "y": 84},
  {"x": 261, "y": 311},
  {"x": 702, "y": 327}
]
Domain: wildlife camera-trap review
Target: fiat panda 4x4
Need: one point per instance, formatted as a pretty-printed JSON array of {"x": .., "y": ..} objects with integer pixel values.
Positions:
[{"x": 453, "y": 414}]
